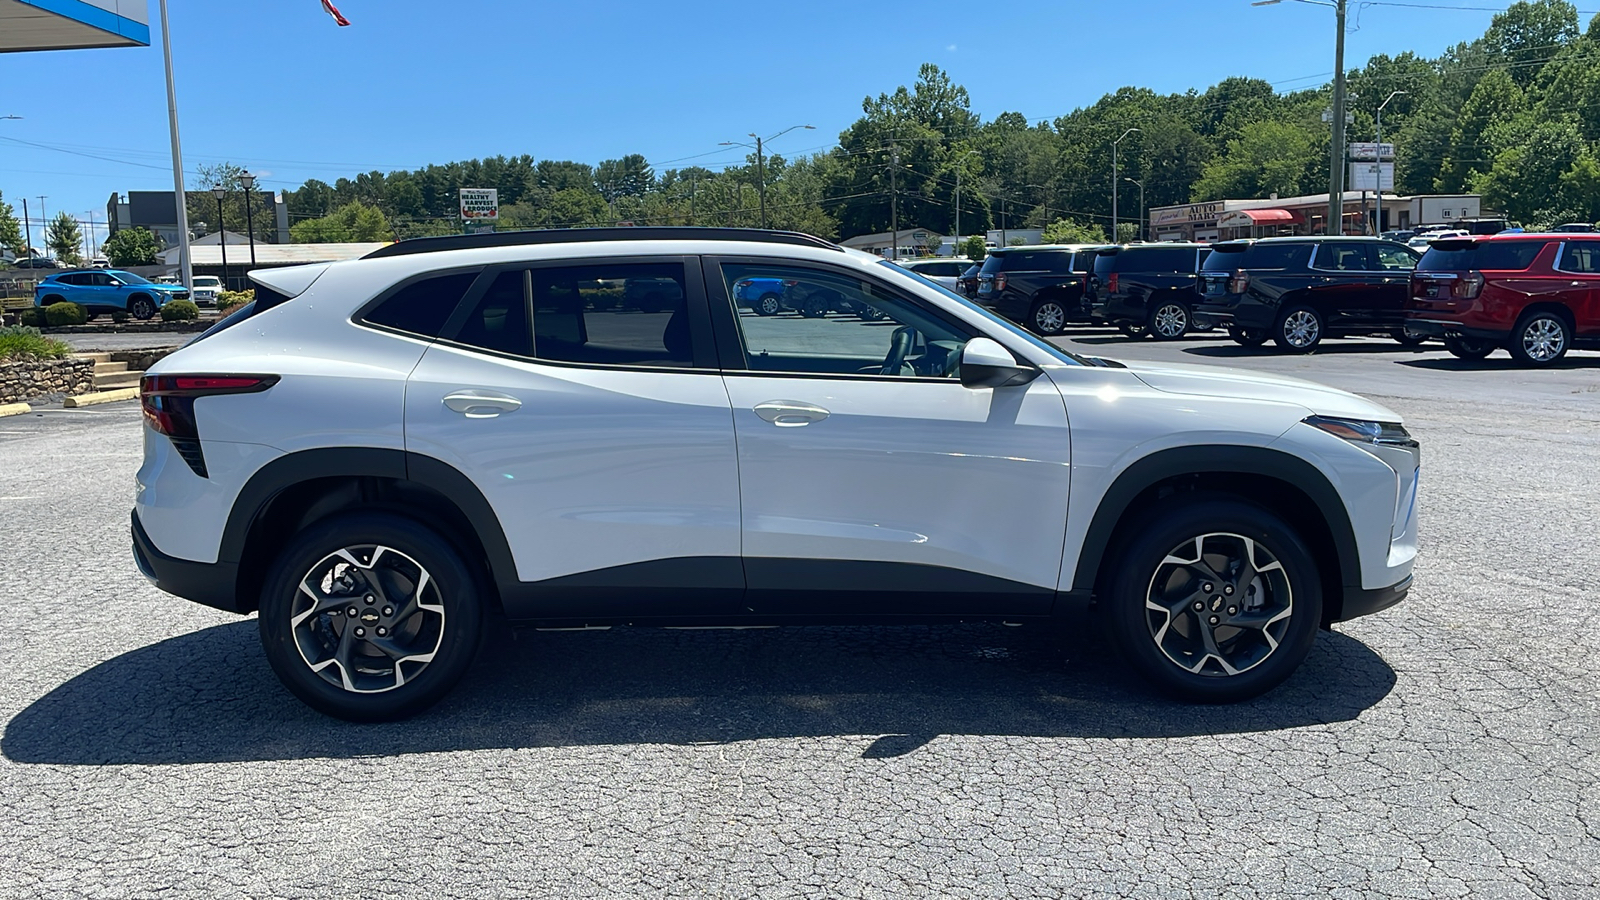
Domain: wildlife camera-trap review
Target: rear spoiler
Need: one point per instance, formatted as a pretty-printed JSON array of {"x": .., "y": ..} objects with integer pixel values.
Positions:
[{"x": 275, "y": 286}]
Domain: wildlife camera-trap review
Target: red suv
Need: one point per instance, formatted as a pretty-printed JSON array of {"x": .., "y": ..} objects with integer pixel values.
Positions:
[{"x": 1537, "y": 296}]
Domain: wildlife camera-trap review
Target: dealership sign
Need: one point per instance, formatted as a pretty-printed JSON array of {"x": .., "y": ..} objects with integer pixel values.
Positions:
[
  {"x": 480, "y": 204},
  {"x": 1182, "y": 215}
]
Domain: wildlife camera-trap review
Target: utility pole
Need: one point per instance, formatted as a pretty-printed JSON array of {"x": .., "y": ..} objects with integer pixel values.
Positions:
[
  {"x": 27, "y": 226},
  {"x": 1336, "y": 152},
  {"x": 44, "y": 226},
  {"x": 1114, "y": 182},
  {"x": 761, "y": 180},
  {"x": 894, "y": 200},
  {"x": 185, "y": 260},
  {"x": 694, "y": 182},
  {"x": 1142, "y": 228}
]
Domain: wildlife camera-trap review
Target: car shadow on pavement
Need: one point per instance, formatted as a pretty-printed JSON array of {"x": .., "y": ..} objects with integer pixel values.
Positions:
[
  {"x": 1234, "y": 351},
  {"x": 209, "y": 697},
  {"x": 1497, "y": 364}
]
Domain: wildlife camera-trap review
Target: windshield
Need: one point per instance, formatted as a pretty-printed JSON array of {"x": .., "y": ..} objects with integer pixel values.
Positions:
[
  {"x": 207, "y": 281},
  {"x": 130, "y": 278},
  {"x": 1010, "y": 327}
]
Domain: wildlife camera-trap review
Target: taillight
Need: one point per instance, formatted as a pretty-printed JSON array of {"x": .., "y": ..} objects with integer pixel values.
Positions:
[
  {"x": 168, "y": 403},
  {"x": 1239, "y": 283},
  {"x": 1468, "y": 286},
  {"x": 1111, "y": 283},
  {"x": 1000, "y": 281}
]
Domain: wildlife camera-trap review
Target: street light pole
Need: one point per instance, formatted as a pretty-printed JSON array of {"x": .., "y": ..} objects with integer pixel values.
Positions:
[
  {"x": 1114, "y": 182},
  {"x": 186, "y": 264},
  {"x": 1142, "y": 235},
  {"x": 1377, "y": 217},
  {"x": 246, "y": 179},
  {"x": 219, "y": 192}
]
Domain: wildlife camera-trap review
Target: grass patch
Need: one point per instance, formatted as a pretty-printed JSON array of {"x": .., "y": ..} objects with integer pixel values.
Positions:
[{"x": 22, "y": 342}]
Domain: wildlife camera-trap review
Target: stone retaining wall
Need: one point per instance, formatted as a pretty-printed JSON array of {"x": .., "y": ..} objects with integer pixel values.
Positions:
[
  {"x": 139, "y": 360},
  {"x": 29, "y": 378}
]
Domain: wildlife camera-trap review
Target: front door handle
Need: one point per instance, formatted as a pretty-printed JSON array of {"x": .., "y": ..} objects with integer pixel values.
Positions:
[
  {"x": 481, "y": 404},
  {"x": 790, "y": 413}
]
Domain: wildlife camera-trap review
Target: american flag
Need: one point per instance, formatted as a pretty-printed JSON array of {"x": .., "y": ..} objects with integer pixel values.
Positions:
[{"x": 332, "y": 10}]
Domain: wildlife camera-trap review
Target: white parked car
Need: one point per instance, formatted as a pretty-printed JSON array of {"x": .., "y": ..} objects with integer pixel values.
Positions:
[
  {"x": 206, "y": 290},
  {"x": 943, "y": 271},
  {"x": 397, "y": 446}
]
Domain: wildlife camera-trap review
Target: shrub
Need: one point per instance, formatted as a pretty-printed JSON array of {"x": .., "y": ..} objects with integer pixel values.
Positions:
[
  {"x": 30, "y": 316},
  {"x": 65, "y": 313},
  {"x": 229, "y": 300},
  {"x": 23, "y": 342},
  {"x": 119, "y": 316},
  {"x": 179, "y": 310}
]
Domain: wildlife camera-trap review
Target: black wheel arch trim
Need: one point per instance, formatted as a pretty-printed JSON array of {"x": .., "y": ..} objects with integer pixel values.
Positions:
[{"x": 1216, "y": 458}]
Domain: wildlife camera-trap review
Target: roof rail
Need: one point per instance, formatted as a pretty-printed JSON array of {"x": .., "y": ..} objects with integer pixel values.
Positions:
[{"x": 584, "y": 235}]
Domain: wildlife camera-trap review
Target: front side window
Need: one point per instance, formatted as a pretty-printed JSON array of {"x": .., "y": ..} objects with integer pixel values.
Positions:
[
  {"x": 623, "y": 314},
  {"x": 836, "y": 324},
  {"x": 1581, "y": 257},
  {"x": 1341, "y": 257},
  {"x": 1396, "y": 258}
]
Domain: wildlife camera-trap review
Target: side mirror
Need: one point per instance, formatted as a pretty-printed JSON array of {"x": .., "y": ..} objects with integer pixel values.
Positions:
[{"x": 986, "y": 364}]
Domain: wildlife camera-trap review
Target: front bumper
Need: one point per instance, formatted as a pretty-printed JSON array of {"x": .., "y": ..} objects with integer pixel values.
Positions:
[
  {"x": 212, "y": 584},
  {"x": 1364, "y": 602}
]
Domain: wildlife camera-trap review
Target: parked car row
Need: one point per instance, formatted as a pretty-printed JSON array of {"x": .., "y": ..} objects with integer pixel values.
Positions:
[{"x": 1535, "y": 295}]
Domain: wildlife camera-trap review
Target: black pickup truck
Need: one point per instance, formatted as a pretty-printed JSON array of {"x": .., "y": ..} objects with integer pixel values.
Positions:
[
  {"x": 1299, "y": 290},
  {"x": 1041, "y": 286},
  {"x": 1147, "y": 288}
]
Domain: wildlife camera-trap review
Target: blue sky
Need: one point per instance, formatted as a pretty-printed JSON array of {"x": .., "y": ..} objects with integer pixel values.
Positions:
[{"x": 278, "y": 88}]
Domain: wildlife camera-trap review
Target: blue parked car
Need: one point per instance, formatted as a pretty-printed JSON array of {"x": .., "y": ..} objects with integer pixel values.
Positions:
[
  {"x": 764, "y": 296},
  {"x": 108, "y": 290}
]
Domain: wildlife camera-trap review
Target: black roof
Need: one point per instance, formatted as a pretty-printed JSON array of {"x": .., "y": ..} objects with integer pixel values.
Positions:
[{"x": 588, "y": 235}]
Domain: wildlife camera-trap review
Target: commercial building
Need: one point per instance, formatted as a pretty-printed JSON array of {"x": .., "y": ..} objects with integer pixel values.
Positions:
[
  {"x": 1364, "y": 212},
  {"x": 207, "y": 257},
  {"x": 910, "y": 241},
  {"x": 73, "y": 24},
  {"x": 157, "y": 211}
]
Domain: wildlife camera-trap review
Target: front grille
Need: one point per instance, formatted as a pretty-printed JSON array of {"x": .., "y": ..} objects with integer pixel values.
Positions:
[{"x": 180, "y": 295}]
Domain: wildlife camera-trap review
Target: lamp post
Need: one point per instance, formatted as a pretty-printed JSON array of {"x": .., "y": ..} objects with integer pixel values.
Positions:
[
  {"x": 959, "y": 165},
  {"x": 1336, "y": 149},
  {"x": 246, "y": 179},
  {"x": 185, "y": 263},
  {"x": 1377, "y": 217},
  {"x": 219, "y": 192},
  {"x": 1142, "y": 235},
  {"x": 1114, "y": 181},
  {"x": 761, "y": 161}
]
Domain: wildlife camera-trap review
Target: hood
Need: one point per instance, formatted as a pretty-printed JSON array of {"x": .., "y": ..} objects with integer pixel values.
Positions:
[{"x": 1215, "y": 381}]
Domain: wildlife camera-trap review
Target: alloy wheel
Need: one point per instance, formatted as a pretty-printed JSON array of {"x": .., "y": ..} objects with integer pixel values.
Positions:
[
  {"x": 770, "y": 305},
  {"x": 1219, "y": 605},
  {"x": 1301, "y": 328},
  {"x": 1170, "y": 321},
  {"x": 1543, "y": 339},
  {"x": 1049, "y": 317},
  {"x": 367, "y": 619}
]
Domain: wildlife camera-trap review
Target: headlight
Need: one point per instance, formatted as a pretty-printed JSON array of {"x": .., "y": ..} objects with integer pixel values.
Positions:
[{"x": 1391, "y": 434}]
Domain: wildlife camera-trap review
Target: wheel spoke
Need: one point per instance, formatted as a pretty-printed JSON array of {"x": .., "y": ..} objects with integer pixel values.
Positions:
[{"x": 320, "y": 603}]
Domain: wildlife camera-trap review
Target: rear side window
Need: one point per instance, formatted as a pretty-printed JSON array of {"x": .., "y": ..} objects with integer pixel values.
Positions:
[
  {"x": 1105, "y": 263},
  {"x": 1336, "y": 256},
  {"x": 1495, "y": 256},
  {"x": 421, "y": 307},
  {"x": 1272, "y": 256},
  {"x": 622, "y": 314},
  {"x": 1582, "y": 257},
  {"x": 1158, "y": 259},
  {"x": 1226, "y": 257}
]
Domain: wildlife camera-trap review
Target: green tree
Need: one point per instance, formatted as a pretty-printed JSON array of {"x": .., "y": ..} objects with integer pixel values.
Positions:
[
  {"x": 1495, "y": 100},
  {"x": 11, "y": 230},
  {"x": 973, "y": 248},
  {"x": 1267, "y": 157},
  {"x": 1528, "y": 178},
  {"x": 65, "y": 239},
  {"x": 132, "y": 247},
  {"x": 353, "y": 222},
  {"x": 1066, "y": 231},
  {"x": 1527, "y": 34}
]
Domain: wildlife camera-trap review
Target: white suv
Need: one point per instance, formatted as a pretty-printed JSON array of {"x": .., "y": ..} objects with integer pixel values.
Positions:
[{"x": 377, "y": 454}]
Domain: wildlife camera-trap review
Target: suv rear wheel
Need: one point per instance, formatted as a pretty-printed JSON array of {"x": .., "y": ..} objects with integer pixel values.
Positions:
[
  {"x": 1048, "y": 317},
  {"x": 1169, "y": 321},
  {"x": 1540, "y": 339},
  {"x": 1299, "y": 331},
  {"x": 370, "y": 617},
  {"x": 1214, "y": 601}
]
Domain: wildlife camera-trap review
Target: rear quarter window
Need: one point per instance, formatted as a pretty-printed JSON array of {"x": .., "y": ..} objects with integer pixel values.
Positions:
[
  {"x": 421, "y": 307},
  {"x": 1158, "y": 259},
  {"x": 1276, "y": 256},
  {"x": 1494, "y": 256}
]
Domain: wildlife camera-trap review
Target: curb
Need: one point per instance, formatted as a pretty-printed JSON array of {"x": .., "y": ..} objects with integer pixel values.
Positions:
[
  {"x": 14, "y": 409},
  {"x": 97, "y": 397}
]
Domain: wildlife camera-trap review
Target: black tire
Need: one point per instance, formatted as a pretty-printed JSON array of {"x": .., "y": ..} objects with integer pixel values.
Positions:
[
  {"x": 813, "y": 309},
  {"x": 1169, "y": 320},
  {"x": 1468, "y": 348},
  {"x": 1541, "y": 339},
  {"x": 1299, "y": 330},
  {"x": 1129, "y": 329},
  {"x": 142, "y": 307},
  {"x": 769, "y": 305},
  {"x": 448, "y": 625},
  {"x": 1290, "y": 599},
  {"x": 1247, "y": 337},
  {"x": 1409, "y": 338},
  {"x": 1048, "y": 317}
]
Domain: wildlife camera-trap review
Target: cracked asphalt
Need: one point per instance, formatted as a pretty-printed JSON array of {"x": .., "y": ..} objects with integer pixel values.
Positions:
[{"x": 1449, "y": 747}]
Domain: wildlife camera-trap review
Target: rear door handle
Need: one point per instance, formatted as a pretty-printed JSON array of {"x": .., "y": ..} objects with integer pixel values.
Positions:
[
  {"x": 481, "y": 404},
  {"x": 790, "y": 413}
]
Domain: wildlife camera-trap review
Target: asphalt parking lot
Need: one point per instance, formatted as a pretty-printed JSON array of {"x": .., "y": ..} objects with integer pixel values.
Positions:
[{"x": 1449, "y": 747}]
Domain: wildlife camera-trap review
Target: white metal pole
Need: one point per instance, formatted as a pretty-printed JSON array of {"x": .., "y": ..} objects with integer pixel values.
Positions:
[{"x": 177, "y": 157}]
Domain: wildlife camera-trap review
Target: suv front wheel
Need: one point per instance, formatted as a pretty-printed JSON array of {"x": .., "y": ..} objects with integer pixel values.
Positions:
[
  {"x": 370, "y": 617},
  {"x": 1540, "y": 339},
  {"x": 1214, "y": 601}
]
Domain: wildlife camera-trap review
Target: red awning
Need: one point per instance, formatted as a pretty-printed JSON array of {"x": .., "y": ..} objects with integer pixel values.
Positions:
[{"x": 1242, "y": 218}]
